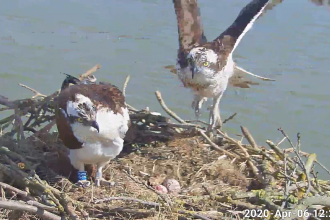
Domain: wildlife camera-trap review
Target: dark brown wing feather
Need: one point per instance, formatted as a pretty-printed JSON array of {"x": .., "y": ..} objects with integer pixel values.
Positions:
[
  {"x": 229, "y": 37},
  {"x": 190, "y": 28},
  {"x": 271, "y": 5},
  {"x": 321, "y": 2},
  {"x": 102, "y": 95}
]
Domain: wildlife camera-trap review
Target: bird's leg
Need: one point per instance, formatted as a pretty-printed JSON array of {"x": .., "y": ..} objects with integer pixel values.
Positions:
[
  {"x": 215, "y": 119},
  {"x": 197, "y": 104},
  {"x": 99, "y": 180},
  {"x": 77, "y": 164}
]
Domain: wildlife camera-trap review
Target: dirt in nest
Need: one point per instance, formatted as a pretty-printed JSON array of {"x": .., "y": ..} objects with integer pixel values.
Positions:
[{"x": 187, "y": 160}]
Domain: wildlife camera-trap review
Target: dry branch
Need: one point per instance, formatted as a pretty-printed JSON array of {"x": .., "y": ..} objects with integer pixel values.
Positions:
[
  {"x": 154, "y": 204},
  {"x": 90, "y": 72},
  {"x": 13, "y": 205},
  {"x": 166, "y": 109}
]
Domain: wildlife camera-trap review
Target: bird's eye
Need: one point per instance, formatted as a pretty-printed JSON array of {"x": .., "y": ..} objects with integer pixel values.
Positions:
[
  {"x": 80, "y": 120},
  {"x": 206, "y": 63}
]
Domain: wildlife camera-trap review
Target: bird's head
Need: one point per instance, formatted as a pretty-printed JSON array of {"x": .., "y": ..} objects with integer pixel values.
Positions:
[
  {"x": 82, "y": 111},
  {"x": 202, "y": 61}
]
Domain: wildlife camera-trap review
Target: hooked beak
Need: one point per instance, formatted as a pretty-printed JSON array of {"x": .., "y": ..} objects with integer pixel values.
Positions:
[{"x": 96, "y": 126}]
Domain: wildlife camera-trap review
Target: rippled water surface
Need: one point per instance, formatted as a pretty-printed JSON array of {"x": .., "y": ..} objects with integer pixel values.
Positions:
[{"x": 41, "y": 38}]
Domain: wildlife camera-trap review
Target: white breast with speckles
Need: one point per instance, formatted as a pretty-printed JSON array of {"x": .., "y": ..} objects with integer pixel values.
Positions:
[{"x": 205, "y": 84}]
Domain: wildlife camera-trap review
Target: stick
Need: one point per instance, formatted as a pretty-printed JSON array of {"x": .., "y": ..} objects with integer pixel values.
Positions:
[
  {"x": 4, "y": 101},
  {"x": 89, "y": 72},
  {"x": 247, "y": 156},
  {"x": 301, "y": 164},
  {"x": 195, "y": 215},
  {"x": 308, "y": 167},
  {"x": 248, "y": 137},
  {"x": 45, "y": 129},
  {"x": 216, "y": 147},
  {"x": 166, "y": 109},
  {"x": 155, "y": 204},
  {"x": 228, "y": 119},
  {"x": 36, "y": 93},
  {"x": 298, "y": 143},
  {"x": 15, "y": 190},
  {"x": 41, "y": 206},
  {"x": 19, "y": 124},
  {"x": 125, "y": 84},
  {"x": 12, "y": 205}
]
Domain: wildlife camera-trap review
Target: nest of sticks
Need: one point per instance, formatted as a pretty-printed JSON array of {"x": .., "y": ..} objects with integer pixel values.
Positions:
[{"x": 219, "y": 177}]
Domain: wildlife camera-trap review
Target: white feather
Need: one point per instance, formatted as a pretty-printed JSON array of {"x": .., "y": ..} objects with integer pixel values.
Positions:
[
  {"x": 103, "y": 146},
  {"x": 210, "y": 55},
  {"x": 72, "y": 107}
]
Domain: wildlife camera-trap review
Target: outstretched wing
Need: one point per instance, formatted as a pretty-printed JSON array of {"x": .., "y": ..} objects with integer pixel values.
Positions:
[
  {"x": 190, "y": 28},
  {"x": 231, "y": 37},
  {"x": 321, "y": 2},
  {"x": 271, "y": 5}
]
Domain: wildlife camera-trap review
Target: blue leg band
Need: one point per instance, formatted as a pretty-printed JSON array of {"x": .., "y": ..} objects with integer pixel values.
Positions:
[{"x": 82, "y": 175}]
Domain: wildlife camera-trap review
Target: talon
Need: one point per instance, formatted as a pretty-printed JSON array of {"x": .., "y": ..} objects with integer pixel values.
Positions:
[
  {"x": 103, "y": 182},
  {"x": 193, "y": 105},
  {"x": 83, "y": 183}
]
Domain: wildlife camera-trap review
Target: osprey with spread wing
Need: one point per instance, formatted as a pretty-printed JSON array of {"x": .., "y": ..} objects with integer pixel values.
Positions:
[{"x": 205, "y": 67}]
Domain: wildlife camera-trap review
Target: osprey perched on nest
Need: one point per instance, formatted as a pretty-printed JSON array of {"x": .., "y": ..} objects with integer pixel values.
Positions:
[
  {"x": 92, "y": 120},
  {"x": 205, "y": 67}
]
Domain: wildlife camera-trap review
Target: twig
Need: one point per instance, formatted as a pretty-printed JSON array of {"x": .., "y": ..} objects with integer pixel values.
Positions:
[
  {"x": 248, "y": 137},
  {"x": 4, "y": 101},
  {"x": 246, "y": 154},
  {"x": 276, "y": 149},
  {"x": 318, "y": 188},
  {"x": 89, "y": 72},
  {"x": 45, "y": 129},
  {"x": 138, "y": 213},
  {"x": 19, "y": 124},
  {"x": 230, "y": 118},
  {"x": 41, "y": 206},
  {"x": 36, "y": 93},
  {"x": 287, "y": 183},
  {"x": 216, "y": 147},
  {"x": 155, "y": 204},
  {"x": 308, "y": 167},
  {"x": 298, "y": 143},
  {"x": 166, "y": 109},
  {"x": 280, "y": 142},
  {"x": 321, "y": 165},
  {"x": 195, "y": 215},
  {"x": 15, "y": 190},
  {"x": 194, "y": 121},
  {"x": 125, "y": 84},
  {"x": 13, "y": 205},
  {"x": 301, "y": 163}
]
